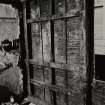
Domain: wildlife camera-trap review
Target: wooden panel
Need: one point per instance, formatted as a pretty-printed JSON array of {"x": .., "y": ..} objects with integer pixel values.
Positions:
[
  {"x": 74, "y": 35},
  {"x": 76, "y": 99},
  {"x": 74, "y": 85},
  {"x": 60, "y": 7},
  {"x": 61, "y": 99},
  {"x": 75, "y": 76},
  {"x": 46, "y": 35},
  {"x": 38, "y": 73},
  {"x": 73, "y": 6},
  {"x": 43, "y": 93},
  {"x": 36, "y": 43},
  {"x": 45, "y": 8},
  {"x": 46, "y": 40},
  {"x": 98, "y": 92},
  {"x": 38, "y": 93},
  {"x": 67, "y": 53},
  {"x": 41, "y": 39},
  {"x": 35, "y": 9},
  {"x": 40, "y": 8},
  {"x": 60, "y": 41},
  {"x": 37, "y": 55},
  {"x": 72, "y": 78}
]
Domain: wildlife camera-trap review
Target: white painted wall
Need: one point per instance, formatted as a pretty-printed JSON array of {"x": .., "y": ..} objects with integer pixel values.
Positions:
[{"x": 99, "y": 27}]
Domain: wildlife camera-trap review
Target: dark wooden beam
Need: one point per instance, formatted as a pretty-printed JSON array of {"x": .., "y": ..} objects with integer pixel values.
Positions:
[
  {"x": 26, "y": 47},
  {"x": 89, "y": 26}
]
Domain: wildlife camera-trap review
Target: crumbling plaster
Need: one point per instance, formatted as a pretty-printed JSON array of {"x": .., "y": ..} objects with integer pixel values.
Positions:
[{"x": 11, "y": 76}]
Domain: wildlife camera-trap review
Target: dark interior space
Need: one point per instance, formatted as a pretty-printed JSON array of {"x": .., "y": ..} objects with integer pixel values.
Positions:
[{"x": 100, "y": 67}]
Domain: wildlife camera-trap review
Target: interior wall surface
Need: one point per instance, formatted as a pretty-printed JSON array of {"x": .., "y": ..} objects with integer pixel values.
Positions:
[{"x": 10, "y": 72}]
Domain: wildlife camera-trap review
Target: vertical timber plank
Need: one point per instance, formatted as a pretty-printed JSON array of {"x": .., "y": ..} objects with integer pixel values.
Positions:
[
  {"x": 53, "y": 79},
  {"x": 26, "y": 46},
  {"x": 46, "y": 33},
  {"x": 89, "y": 21}
]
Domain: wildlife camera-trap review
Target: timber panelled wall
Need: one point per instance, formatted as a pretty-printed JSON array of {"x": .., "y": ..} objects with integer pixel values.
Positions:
[{"x": 58, "y": 42}]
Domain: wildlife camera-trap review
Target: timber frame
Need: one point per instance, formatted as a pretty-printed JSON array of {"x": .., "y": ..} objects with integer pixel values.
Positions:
[{"x": 89, "y": 19}]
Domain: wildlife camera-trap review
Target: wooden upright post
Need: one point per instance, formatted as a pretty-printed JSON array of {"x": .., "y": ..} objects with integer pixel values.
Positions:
[
  {"x": 89, "y": 21},
  {"x": 26, "y": 46}
]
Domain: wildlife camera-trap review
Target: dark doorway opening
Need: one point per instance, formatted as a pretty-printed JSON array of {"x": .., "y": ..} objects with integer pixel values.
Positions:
[{"x": 100, "y": 67}]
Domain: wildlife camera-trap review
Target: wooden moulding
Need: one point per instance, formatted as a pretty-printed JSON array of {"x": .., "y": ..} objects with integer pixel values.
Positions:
[{"x": 43, "y": 19}]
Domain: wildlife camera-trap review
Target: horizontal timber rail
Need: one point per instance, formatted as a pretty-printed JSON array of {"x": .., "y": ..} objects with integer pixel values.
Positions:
[
  {"x": 56, "y": 65},
  {"x": 43, "y": 19},
  {"x": 51, "y": 87}
]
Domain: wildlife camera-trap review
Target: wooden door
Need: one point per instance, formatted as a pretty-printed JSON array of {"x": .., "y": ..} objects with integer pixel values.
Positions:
[{"x": 57, "y": 52}]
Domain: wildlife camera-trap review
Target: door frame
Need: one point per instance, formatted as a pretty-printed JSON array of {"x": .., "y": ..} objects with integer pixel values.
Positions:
[{"x": 89, "y": 27}]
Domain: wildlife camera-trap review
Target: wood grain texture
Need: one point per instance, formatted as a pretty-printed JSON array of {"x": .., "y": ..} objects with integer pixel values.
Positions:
[
  {"x": 98, "y": 92},
  {"x": 37, "y": 44},
  {"x": 68, "y": 48},
  {"x": 60, "y": 41}
]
